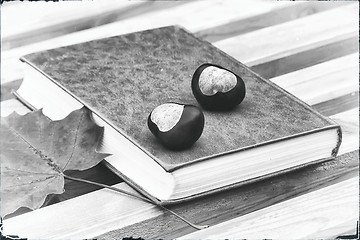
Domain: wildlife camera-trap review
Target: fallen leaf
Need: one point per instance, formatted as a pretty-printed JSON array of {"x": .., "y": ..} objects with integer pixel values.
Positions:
[{"x": 35, "y": 151}]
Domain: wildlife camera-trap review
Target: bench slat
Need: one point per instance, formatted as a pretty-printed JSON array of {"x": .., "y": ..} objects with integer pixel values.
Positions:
[
  {"x": 339, "y": 104},
  {"x": 321, "y": 214},
  {"x": 107, "y": 215},
  {"x": 267, "y": 19},
  {"x": 55, "y": 19},
  {"x": 293, "y": 37},
  {"x": 324, "y": 81},
  {"x": 307, "y": 58},
  {"x": 194, "y": 16}
]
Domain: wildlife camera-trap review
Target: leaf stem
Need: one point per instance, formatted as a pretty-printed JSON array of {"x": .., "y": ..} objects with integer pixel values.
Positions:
[{"x": 198, "y": 227}]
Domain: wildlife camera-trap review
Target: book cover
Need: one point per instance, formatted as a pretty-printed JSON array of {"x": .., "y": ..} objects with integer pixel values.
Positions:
[{"x": 124, "y": 78}]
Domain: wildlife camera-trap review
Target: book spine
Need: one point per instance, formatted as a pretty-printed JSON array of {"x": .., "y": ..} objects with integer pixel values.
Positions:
[{"x": 336, "y": 148}]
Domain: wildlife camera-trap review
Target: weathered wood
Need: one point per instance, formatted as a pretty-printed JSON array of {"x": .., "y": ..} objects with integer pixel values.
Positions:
[
  {"x": 293, "y": 37},
  {"x": 56, "y": 19},
  {"x": 307, "y": 58},
  {"x": 321, "y": 214},
  {"x": 228, "y": 205},
  {"x": 51, "y": 14},
  {"x": 79, "y": 217},
  {"x": 323, "y": 82},
  {"x": 275, "y": 16},
  {"x": 339, "y": 104},
  {"x": 194, "y": 16},
  {"x": 224, "y": 206}
]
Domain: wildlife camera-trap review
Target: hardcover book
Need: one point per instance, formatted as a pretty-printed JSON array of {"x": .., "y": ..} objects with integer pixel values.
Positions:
[{"x": 123, "y": 78}]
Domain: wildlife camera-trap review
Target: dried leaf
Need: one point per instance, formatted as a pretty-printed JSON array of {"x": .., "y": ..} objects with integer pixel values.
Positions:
[{"x": 35, "y": 151}]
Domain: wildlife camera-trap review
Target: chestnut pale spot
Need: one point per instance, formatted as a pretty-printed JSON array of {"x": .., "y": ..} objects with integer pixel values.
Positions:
[
  {"x": 167, "y": 115},
  {"x": 213, "y": 79}
]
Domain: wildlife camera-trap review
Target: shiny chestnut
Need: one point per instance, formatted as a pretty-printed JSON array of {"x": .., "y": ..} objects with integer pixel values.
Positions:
[
  {"x": 217, "y": 88},
  {"x": 176, "y": 126}
]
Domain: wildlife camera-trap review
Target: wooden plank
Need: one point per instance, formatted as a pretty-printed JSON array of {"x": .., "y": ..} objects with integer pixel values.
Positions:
[
  {"x": 228, "y": 205},
  {"x": 307, "y": 58},
  {"x": 342, "y": 103},
  {"x": 12, "y": 68},
  {"x": 267, "y": 19},
  {"x": 194, "y": 16},
  {"x": 56, "y": 19},
  {"x": 225, "y": 206},
  {"x": 324, "y": 81},
  {"x": 321, "y": 214},
  {"x": 50, "y": 14},
  {"x": 293, "y": 37},
  {"x": 58, "y": 220}
]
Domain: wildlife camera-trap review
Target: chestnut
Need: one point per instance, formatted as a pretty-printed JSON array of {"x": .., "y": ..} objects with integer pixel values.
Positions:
[
  {"x": 217, "y": 88},
  {"x": 176, "y": 126}
]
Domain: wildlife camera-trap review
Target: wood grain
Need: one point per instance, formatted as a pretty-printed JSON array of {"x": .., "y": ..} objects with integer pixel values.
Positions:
[
  {"x": 228, "y": 205},
  {"x": 83, "y": 212},
  {"x": 323, "y": 82},
  {"x": 307, "y": 58},
  {"x": 56, "y": 19},
  {"x": 224, "y": 206},
  {"x": 293, "y": 37},
  {"x": 275, "y": 16},
  {"x": 336, "y": 105},
  {"x": 194, "y": 16},
  {"x": 321, "y": 214},
  {"x": 51, "y": 14}
]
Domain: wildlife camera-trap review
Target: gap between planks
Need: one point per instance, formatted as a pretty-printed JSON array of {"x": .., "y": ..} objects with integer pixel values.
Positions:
[
  {"x": 324, "y": 81},
  {"x": 193, "y": 16},
  {"x": 321, "y": 214},
  {"x": 103, "y": 211},
  {"x": 293, "y": 37},
  {"x": 64, "y": 18}
]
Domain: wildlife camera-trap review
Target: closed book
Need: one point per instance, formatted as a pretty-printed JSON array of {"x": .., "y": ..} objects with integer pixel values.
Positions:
[{"x": 122, "y": 79}]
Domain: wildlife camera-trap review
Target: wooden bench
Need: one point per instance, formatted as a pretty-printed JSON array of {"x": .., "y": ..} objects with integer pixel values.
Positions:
[{"x": 308, "y": 48}]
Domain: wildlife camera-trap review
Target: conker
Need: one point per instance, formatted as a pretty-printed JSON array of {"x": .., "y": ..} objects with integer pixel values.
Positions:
[
  {"x": 176, "y": 126},
  {"x": 217, "y": 88}
]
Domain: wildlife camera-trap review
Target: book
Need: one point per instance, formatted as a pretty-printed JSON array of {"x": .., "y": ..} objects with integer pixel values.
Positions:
[{"x": 122, "y": 79}]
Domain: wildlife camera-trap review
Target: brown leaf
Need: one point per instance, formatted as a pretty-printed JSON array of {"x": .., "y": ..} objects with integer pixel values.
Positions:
[{"x": 35, "y": 151}]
